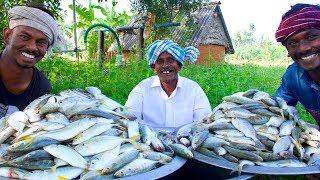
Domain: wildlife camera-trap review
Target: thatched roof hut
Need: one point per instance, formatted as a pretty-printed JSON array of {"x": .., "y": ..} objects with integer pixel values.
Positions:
[{"x": 210, "y": 34}]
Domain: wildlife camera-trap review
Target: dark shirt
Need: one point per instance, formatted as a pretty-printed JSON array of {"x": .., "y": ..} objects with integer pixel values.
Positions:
[
  {"x": 39, "y": 86},
  {"x": 296, "y": 86}
]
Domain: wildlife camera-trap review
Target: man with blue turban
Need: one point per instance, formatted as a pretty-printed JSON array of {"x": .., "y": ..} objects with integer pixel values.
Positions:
[
  {"x": 32, "y": 32},
  {"x": 167, "y": 99}
]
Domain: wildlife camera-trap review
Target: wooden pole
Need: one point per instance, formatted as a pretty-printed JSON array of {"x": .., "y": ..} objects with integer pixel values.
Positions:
[
  {"x": 140, "y": 44},
  {"x": 75, "y": 30},
  {"x": 101, "y": 48}
]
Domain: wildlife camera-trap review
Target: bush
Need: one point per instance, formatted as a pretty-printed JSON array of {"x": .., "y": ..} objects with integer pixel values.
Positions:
[{"x": 217, "y": 80}]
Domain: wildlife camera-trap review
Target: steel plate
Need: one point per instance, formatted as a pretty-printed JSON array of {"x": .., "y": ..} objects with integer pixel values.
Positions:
[
  {"x": 258, "y": 169},
  {"x": 176, "y": 163}
]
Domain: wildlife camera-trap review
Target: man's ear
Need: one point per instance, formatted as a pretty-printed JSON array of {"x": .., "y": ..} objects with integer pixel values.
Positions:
[{"x": 6, "y": 35}]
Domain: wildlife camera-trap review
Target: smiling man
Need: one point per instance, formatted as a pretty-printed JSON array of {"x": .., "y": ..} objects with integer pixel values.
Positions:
[
  {"x": 32, "y": 32},
  {"x": 167, "y": 99},
  {"x": 299, "y": 32}
]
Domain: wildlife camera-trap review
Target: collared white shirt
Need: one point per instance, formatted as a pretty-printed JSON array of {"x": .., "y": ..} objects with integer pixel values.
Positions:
[{"x": 150, "y": 103}]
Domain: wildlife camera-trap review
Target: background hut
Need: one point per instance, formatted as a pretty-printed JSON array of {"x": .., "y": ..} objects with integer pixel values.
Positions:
[{"x": 209, "y": 34}]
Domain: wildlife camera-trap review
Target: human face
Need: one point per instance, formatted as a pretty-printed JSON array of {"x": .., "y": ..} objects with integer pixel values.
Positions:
[
  {"x": 25, "y": 45},
  {"x": 304, "y": 48},
  {"x": 166, "y": 67}
]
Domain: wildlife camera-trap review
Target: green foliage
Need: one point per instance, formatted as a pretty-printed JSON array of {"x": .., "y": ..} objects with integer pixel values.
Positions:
[
  {"x": 217, "y": 81},
  {"x": 5, "y": 5},
  {"x": 248, "y": 47},
  {"x": 86, "y": 16},
  {"x": 167, "y": 11}
]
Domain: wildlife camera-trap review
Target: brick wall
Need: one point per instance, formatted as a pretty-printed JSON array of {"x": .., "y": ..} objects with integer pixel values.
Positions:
[{"x": 210, "y": 54}]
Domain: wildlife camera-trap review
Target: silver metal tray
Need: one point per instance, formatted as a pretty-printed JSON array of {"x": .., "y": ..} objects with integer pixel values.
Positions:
[
  {"x": 157, "y": 173},
  {"x": 258, "y": 169}
]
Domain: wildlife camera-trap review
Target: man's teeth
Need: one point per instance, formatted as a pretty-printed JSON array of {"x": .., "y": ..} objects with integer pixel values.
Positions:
[
  {"x": 308, "y": 57},
  {"x": 27, "y": 55},
  {"x": 165, "y": 72}
]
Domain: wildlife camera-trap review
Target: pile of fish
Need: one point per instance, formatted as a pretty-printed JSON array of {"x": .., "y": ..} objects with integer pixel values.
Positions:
[
  {"x": 78, "y": 134},
  {"x": 253, "y": 128}
]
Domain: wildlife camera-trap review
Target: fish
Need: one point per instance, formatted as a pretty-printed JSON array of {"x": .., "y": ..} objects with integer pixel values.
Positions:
[
  {"x": 243, "y": 154},
  {"x": 240, "y": 140},
  {"x": 241, "y": 164},
  {"x": 70, "y": 131},
  {"x": 275, "y": 121},
  {"x": 101, "y": 160},
  {"x": 213, "y": 141},
  {"x": 11, "y": 172},
  {"x": 67, "y": 154},
  {"x": 99, "y": 144},
  {"x": 92, "y": 131},
  {"x": 283, "y": 163},
  {"x": 282, "y": 144},
  {"x": 133, "y": 130},
  {"x": 209, "y": 153},
  {"x": 186, "y": 142},
  {"x": 57, "y": 117},
  {"x": 52, "y": 105},
  {"x": 120, "y": 161},
  {"x": 219, "y": 150},
  {"x": 18, "y": 120},
  {"x": 181, "y": 150},
  {"x": 146, "y": 134},
  {"x": 229, "y": 132},
  {"x": 198, "y": 138},
  {"x": 238, "y": 99},
  {"x": 5, "y": 134},
  {"x": 286, "y": 128},
  {"x": 240, "y": 113},
  {"x": 31, "y": 143},
  {"x": 309, "y": 150},
  {"x": 247, "y": 129},
  {"x": 157, "y": 156},
  {"x": 230, "y": 158},
  {"x": 135, "y": 167},
  {"x": 67, "y": 172}
]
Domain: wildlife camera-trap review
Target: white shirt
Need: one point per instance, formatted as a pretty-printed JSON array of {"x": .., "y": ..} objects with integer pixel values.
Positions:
[{"x": 149, "y": 102}]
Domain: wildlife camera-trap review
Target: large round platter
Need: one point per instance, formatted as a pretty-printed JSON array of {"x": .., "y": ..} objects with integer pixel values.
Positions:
[{"x": 258, "y": 169}]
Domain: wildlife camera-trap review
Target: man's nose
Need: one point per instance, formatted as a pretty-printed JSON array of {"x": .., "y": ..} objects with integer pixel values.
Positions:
[
  {"x": 31, "y": 46},
  {"x": 304, "y": 46}
]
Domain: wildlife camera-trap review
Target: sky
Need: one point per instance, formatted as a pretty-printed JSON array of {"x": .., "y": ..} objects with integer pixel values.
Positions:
[{"x": 238, "y": 14}]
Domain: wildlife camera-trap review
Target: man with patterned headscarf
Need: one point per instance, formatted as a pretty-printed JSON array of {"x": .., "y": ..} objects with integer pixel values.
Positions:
[
  {"x": 32, "y": 32},
  {"x": 167, "y": 99},
  {"x": 299, "y": 32}
]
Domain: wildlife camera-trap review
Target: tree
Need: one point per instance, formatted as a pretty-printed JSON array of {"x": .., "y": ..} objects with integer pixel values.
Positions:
[
  {"x": 167, "y": 10},
  {"x": 5, "y": 5},
  {"x": 246, "y": 36},
  {"x": 86, "y": 16}
]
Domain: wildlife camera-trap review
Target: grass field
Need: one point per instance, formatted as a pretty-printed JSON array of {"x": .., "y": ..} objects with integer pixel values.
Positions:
[{"x": 217, "y": 80}]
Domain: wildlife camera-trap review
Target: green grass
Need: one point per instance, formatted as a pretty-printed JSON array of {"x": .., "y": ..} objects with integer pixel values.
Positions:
[{"x": 217, "y": 80}]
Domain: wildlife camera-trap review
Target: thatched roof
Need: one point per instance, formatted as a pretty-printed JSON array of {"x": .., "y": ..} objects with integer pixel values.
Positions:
[{"x": 210, "y": 29}]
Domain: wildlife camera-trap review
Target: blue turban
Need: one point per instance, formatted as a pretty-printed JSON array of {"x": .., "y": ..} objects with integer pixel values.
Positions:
[{"x": 179, "y": 54}]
